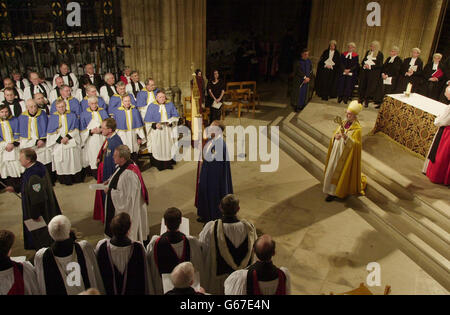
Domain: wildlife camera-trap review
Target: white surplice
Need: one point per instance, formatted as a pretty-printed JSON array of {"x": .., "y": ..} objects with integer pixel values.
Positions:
[
  {"x": 91, "y": 144},
  {"x": 94, "y": 275},
  {"x": 196, "y": 259},
  {"x": 9, "y": 161},
  {"x": 29, "y": 279},
  {"x": 161, "y": 142},
  {"x": 44, "y": 154},
  {"x": 336, "y": 153},
  {"x": 128, "y": 198},
  {"x": 66, "y": 157},
  {"x": 129, "y": 137},
  {"x": 236, "y": 283}
]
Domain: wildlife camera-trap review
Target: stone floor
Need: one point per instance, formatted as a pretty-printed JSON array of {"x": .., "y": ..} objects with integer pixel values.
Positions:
[{"x": 325, "y": 246}]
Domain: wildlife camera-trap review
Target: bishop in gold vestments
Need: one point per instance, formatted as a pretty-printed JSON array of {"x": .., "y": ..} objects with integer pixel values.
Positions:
[{"x": 343, "y": 167}]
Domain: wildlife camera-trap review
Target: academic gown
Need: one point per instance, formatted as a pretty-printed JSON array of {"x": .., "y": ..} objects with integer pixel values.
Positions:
[
  {"x": 347, "y": 82},
  {"x": 416, "y": 79},
  {"x": 215, "y": 180},
  {"x": 270, "y": 280},
  {"x": 130, "y": 127},
  {"x": 429, "y": 88},
  {"x": 9, "y": 161},
  {"x": 116, "y": 101},
  {"x": 127, "y": 193},
  {"x": 33, "y": 129},
  {"x": 302, "y": 93},
  {"x": 160, "y": 142},
  {"x": 392, "y": 70},
  {"x": 144, "y": 99},
  {"x": 17, "y": 278},
  {"x": 159, "y": 253},
  {"x": 72, "y": 105},
  {"x": 227, "y": 246},
  {"x": 437, "y": 166},
  {"x": 370, "y": 81},
  {"x": 66, "y": 157},
  {"x": 124, "y": 267},
  {"x": 91, "y": 143},
  {"x": 326, "y": 81},
  {"x": 51, "y": 268},
  {"x": 17, "y": 107},
  {"x": 343, "y": 167},
  {"x": 105, "y": 169},
  {"x": 85, "y": 105},
  {"x": 38, "y": 199}
]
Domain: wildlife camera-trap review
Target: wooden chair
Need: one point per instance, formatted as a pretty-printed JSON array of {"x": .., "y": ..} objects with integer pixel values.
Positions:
[
  {"x": 232, "y": 86},
  {"x": 252, "y": 86},
  {"x": 244, "y": 100},
  {"x": 363, "y": 290},
  {"x": 229, "y": 103}
]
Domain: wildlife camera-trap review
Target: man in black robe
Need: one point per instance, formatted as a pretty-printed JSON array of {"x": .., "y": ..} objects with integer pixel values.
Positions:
[
  {"x": 433, "y": 78},
  {"x": 446, "y": 80},
  {"x": 390, "y": 73},
  {"x": 370, "y": 82},
  {"x": 411, "y": 72},
  {"x": 38, "y": 200},
  {"x": 327, "y": 72},
  {"x": 90, "y": 77},
  {"x": 348, "y": 76}
]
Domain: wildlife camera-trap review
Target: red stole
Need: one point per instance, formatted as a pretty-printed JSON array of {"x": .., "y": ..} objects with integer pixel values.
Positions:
[
  {"x": 281, "y": 289},
  {"x": 18, "y": 287},
  {"x": 133, "y": 167}
]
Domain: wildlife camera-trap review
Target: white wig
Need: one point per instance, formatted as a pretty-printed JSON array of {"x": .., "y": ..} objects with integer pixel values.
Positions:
[
  {"x": 396, "y": 48},
  {"x": 352, "y": 44},
  {"x": 59, "y": 228},
  {"x": 437, "y": 55},
  {"x": 417, "y": 50},
  {"x": 183, "y": 275}
]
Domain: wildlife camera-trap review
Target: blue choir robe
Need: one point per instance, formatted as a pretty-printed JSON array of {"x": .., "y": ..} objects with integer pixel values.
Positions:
[
  {"x": 85, "y": 105},
  {"x": 130, "y": 127},
  {"x": 33, "y": 129},
  {"x": 91, "y": 143},
  {"x": 116, "y": 101},
  {"x": 301, "y": 92},
  {"x": 72, "y": 105},
  {"x": 144, "y": 99},
  {"x": 9, "y": 161},
  {"x": 161, "y": 141},
  {"x": 66, "y": 157},
  {"x": 215, "y": 179}
]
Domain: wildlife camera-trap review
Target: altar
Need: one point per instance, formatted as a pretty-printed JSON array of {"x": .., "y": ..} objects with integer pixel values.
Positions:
[{"x": 409, "y": 121}]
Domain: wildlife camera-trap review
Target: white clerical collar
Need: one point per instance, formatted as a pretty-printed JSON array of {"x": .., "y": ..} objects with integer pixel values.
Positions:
[
  {"x": 435, "y": 66},
  {"x": 349, "y": 55},
  {"x": 413, "y": 61},
  {"x": 392, "y": 59}
]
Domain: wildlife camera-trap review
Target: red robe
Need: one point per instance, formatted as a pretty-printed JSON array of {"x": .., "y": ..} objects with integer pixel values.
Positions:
[{"x": 439, "y": 170}]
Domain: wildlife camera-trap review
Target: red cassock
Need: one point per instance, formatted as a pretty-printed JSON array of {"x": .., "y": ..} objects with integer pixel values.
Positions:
[{"x": 439, "y": 170}]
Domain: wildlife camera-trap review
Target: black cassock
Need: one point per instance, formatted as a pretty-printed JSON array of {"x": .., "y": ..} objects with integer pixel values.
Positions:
[
  {"x": 38, "y": 199},
  {"x": 429, "y": 88},
  {"x": 415, "y": 79},
  {"x": 346, "y": 83},
  {"x": 391, "y": 69},
  {"x": 446, "y": 68},
  {"x": 326, "y": 81},
  {"x": 370, "y": 81}
]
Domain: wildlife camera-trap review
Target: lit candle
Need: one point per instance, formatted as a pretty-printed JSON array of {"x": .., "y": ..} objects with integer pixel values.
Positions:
[{"x": 409, "y": 88}]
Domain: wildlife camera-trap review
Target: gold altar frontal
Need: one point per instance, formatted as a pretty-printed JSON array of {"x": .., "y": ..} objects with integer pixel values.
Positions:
[{"x": 406, "y": 125}]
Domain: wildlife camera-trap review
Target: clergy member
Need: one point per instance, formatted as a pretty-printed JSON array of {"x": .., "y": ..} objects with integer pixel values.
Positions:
[
  {"x": 123, "y": 263},
  {"x": 433, "y": 78},
  {"x": 303, "y": 73},
  {"x": 91, "y": 91},
  {"x": 106, "y": 165},
  {"x": 91, "y": 77},
  {"x": 165, "y": 252},
  {"x": 116, "y": 100},
  {"x": 33, "y": 133},
  {"x": 129, "y": 126},
  {"x": 411, "y": 72},
  {"x": 19, "y": 82},
  {"x": 437, "y": 166},
  {"x": 183, "y": 277},
  {"x": 72, "y": 104},
  {"x": 261, "y": 278},
  {"x": 16, "y": 105},
  {"x": 109, "y": 89},
  {"x": 15, "y": 278},
  {"x": 370, "y": 81},
  {"x": 161, "y": 122},
  {"x": 54, "y": 264},
  {"x": 42, "y": 103},
  {"x": 10, "y": 168},
  {"x": 146, "y": 97},
  {"x": 39, "y": 201},
  {"x": 35, "y": 87},
  {"x": 343, "y": 167},
  {"x": 389, "y": 74},
  {"x": 215, "y": 180},
  {"x": 92, "y": 138},
  {"x": 348, "y": 76},
  {"x": 227, "y": 245},
  {"x": 8, "y": 83},
  {"x": 328, "y": 72},
  {"x": 135, "y": 86},
  {"x": 69, "y": 78},
  {"x": 127, "y": 193},
  {"x": 63, "y": 137},
  {"x": 55, "y": 93}
]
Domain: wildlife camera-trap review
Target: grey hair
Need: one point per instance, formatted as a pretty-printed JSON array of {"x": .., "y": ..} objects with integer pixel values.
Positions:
[
  {"x": 92, "y": 99},
  {"x": 124, "y": 152},
  {"x": 109, "y": 74},
  {"x": 59, "y": 228},
  {"x": 417, "y": 50},
  {"x": 183, "y": 275}
]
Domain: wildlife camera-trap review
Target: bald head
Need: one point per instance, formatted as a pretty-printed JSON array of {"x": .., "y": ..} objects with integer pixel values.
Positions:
[
  {"x": 32, "y": 107},
  {"x": 265, "y": 248}
]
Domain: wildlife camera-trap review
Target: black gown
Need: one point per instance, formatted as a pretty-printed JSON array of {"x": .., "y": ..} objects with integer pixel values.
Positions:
[
  {"x": 415, "y": 79},
  {"x": 429, "y": 88},
  {"x": 446, "y": 68},
  {"x": 391, "y": 70},
  {"x": 370, "y": 81},
  {"x": 326, "y": 81}
]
